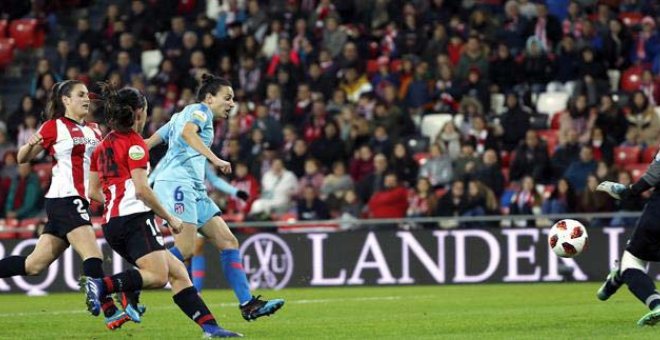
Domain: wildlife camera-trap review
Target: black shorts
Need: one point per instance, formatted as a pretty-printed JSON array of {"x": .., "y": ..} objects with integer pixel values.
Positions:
[
  {"x": 133, "y": 236},
  {"x": 645, "y": 240},
  {"x": 65, "y": 214}
]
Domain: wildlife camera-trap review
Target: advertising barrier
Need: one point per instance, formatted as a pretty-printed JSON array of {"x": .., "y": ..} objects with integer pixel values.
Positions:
[{"x": 275, "y": 261}]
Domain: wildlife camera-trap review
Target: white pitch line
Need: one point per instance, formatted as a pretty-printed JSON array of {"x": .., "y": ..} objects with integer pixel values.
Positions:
[{"x": 226, "y": 304}]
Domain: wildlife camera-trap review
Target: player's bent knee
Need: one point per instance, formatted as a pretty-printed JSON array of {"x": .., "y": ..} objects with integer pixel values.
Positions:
[
  {"x": 158, "y": 280},
  {"x": 33, "y": 268},
  {"x": 630, "y": 261}
]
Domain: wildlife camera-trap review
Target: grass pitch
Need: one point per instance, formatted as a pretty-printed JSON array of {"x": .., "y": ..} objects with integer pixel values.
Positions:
[{"x": 513, "y": 311}]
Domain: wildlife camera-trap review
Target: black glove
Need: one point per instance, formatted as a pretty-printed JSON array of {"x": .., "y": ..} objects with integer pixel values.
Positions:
[{"x": 242, "y": 195}]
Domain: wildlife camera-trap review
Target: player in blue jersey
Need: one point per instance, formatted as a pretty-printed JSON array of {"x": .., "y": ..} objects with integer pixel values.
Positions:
[
  {"x": 180, "y": 186},
  {"x": 197, "y": 264}
]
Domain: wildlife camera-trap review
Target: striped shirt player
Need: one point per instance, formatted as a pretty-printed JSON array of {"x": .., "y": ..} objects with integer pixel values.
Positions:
[
  {"x": 116, "y": 156},
  {"x": 71, "y": 145}
]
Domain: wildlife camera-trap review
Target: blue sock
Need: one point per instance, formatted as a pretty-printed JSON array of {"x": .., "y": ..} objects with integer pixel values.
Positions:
[
  {"x": 198, "y": 269},
  {"x": 232, "y": 266},
  {"x": 176, "y": 252}
]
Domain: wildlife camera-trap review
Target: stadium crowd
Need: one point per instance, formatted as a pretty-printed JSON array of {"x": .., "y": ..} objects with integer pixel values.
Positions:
[{"x": 333, "y": 97}]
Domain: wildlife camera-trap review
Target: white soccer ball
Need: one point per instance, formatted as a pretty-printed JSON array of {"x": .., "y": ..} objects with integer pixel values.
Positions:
[{"x": 568, "y": 238}]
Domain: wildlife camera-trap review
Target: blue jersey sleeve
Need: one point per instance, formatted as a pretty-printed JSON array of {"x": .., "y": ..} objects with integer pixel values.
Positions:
[
  {"x": 218, "y": 182},
  {"x": 200, "y": 116},
  {"x": 164, "y": 132}
]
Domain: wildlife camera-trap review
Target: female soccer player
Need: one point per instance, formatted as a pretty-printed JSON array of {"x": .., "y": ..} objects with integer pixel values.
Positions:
[
  {"x": 180, "y": 184},
  {"x": 70, "y": 141},
  {"x": 119, "y": 166}
]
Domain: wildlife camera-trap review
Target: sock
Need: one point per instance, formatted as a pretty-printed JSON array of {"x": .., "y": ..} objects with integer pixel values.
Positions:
[
  {"x": 93, "y": 267},
  {"x": 177, "y": 253},
  {"x": 642, "y": 287},
  {"x": 127, "y": 281},
  {"x": 232, "y": 266},
  {"x": 12, "y": 266},
  {"x": 198, "y": 266},
  {"x": 195, "y": 308}
]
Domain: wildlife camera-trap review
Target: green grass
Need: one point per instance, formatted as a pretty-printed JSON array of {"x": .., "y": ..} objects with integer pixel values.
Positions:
[{"x": 513, "y": 311}]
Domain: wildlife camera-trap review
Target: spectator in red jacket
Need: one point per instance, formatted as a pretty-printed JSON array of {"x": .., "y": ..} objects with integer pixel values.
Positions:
[
  {"x": 246, "y": 182},
  {"x": 391, "y": 201}
]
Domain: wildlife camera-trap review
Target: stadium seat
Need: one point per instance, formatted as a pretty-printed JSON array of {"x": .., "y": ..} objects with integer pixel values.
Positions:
[
  {"x": 551, "y": 138},
  {"x": 395, "y": 65},
  {"x": 552, "y": 102},
  {"x": 6, "y": 52},
  {"x": 636, "y": 170},
  {"x": 27, "y": 33},
  {"x": 506, "y": 157},
  {"x": 624, "y": 155},
  {"x": 648, "y": 154},
  {"x": 432, "y": 123},
  {"x": 372, "y": 67},
  {"x": 631, "y": 78},
  {"x": 631, "y": 19},
  {"x": 150, "y": 62},
  {"x": 29, "y": 225},
  {"x": 421, "y": 157},
  {"x": 497, "y": 101},
  {"x": 3, "y": 28}
]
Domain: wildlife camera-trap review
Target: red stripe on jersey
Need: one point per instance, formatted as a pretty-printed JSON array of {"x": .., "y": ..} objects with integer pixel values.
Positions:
[{"x": 77, "y": 158}]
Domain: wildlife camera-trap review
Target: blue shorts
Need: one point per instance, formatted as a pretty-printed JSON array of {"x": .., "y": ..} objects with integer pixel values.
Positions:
[{"x": 183, "y": 200}]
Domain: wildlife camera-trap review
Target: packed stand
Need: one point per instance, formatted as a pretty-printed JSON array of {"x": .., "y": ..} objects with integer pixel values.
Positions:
[{"x": 383, "y": 109}]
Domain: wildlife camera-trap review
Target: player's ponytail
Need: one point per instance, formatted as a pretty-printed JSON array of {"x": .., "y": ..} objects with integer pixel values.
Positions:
[
  {"x": 120, "y": 106},
  {"x": 55, "y": 106},
  {"x": 210, "y": 85}
]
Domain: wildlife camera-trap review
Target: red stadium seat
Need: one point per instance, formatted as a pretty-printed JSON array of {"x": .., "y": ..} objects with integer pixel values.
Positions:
[
  {"x": 27, "y": 33},
  {"x": 631, "y": 18},
  {"x": 6, "y": 52},
  {"x": 648, "y": 154},
  {"x": 631, "y": 78},
  {"x": 3, "y": 28},
  {"x": 29, "y": 225},
  {"x": 506, "y": 157},
  {"x": 551, "y": 138},
  {"x": 624, "y": 155},
  {"x": 421, "y": 157},
  {"x": 372, "y": 67},
  {"x": 636, "y": 170}
]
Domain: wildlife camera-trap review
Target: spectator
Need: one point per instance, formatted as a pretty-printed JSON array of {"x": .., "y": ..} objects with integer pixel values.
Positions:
[
  {"x": 244, "y": 181},
  {"x": 481, "y": 201},
  {"x": 567, "y": 152},
  {"x": 579, "y": 117},
  {"x": 481, "y": 136},
  {"x": 579, "y": 170},
  {"x": 27, "y": 129},
  {"x": 647, "y": 43},
  {"x": 643, "y": 123},
  {"x": 617, "y": 45},
  {"x": 313, "y": 177},
  {"x": 567, "y": 61},
  {"x": 449, "y": 139},
  {"x": 526, "y": 201},
  {"x": 594, "y": 201},
  {"x": 503, "y": 70},
  {"x": 350, "y": 210},
  {"x": 329, "y": 147},
  {"x": 278, "y": 185},
  {"x": 295, "y": 160},
  {"x": 602, "y": 145},
  {"x": 592, "y": 76},
  {"x": 490, "y": 173},
  {"x": 24, "y": 194},
  {"x": 268, "y": 124},
  {"x": 374, "y": 181},
  {"x": 380, "y": 141},
  {"x": 512, "y": 32},
  {"x": 544, "y": 27},
  {"x": 514, "y": 122},
  {"x": 63, "y": 57},
  {"x": 531, "y": 159},
  {"x": 452, "y": 204},
  {"x": 536, "y": 66},
  {"x": 334, "y": 37},
  {"x": 422, "y": 201},
  {"x": 391, "y": 201},
  {"x": 403, "y": 164},
  {"x": 354, "y": 84},
  {"x": 362, "y": 163},
  {"x": 650, "y": 87},
  {"x": 562, "y": 200},
  {"x": 611, "y": 119},
  {"x": 310, "y": 207},
  {"x": 438, "y": 167},
  {"x": 472, "y": 57},
  {"x": 335, "y": 185},
  {"x": 16, "y": 119},
  {"x": 6, "y": 146}
]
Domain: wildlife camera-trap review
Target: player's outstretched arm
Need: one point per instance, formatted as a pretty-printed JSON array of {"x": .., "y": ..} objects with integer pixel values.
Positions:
[
  {"x": 95, "y": 192},
  {"x": 190, "y": 136},
  {"x": 153, "y": 140},
  {"x": 30, "y": 150},
  {"x": 144, "y": 193}
]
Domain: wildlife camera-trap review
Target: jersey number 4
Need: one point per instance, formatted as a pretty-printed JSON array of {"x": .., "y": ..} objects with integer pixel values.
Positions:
[{"x": 108, "y": 163}]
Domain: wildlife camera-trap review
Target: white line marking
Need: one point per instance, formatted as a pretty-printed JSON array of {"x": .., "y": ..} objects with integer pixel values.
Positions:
[{"x": 216, "y": 305}]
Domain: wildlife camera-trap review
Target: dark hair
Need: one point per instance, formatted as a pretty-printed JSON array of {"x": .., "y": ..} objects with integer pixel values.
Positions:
[
  {"x": 55, "y": 106},
  {"x": 120, "y": 105},
  {"x": 210, "y": 85}
]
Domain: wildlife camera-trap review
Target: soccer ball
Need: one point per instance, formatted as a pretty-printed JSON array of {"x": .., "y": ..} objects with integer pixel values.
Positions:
[{"x": 568, "y": 238}]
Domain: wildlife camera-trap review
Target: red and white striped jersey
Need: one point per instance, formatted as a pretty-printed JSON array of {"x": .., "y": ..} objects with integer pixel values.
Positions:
[
  {"x": 71, "y": 146},
  {"x": 114, "y": 158}
]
